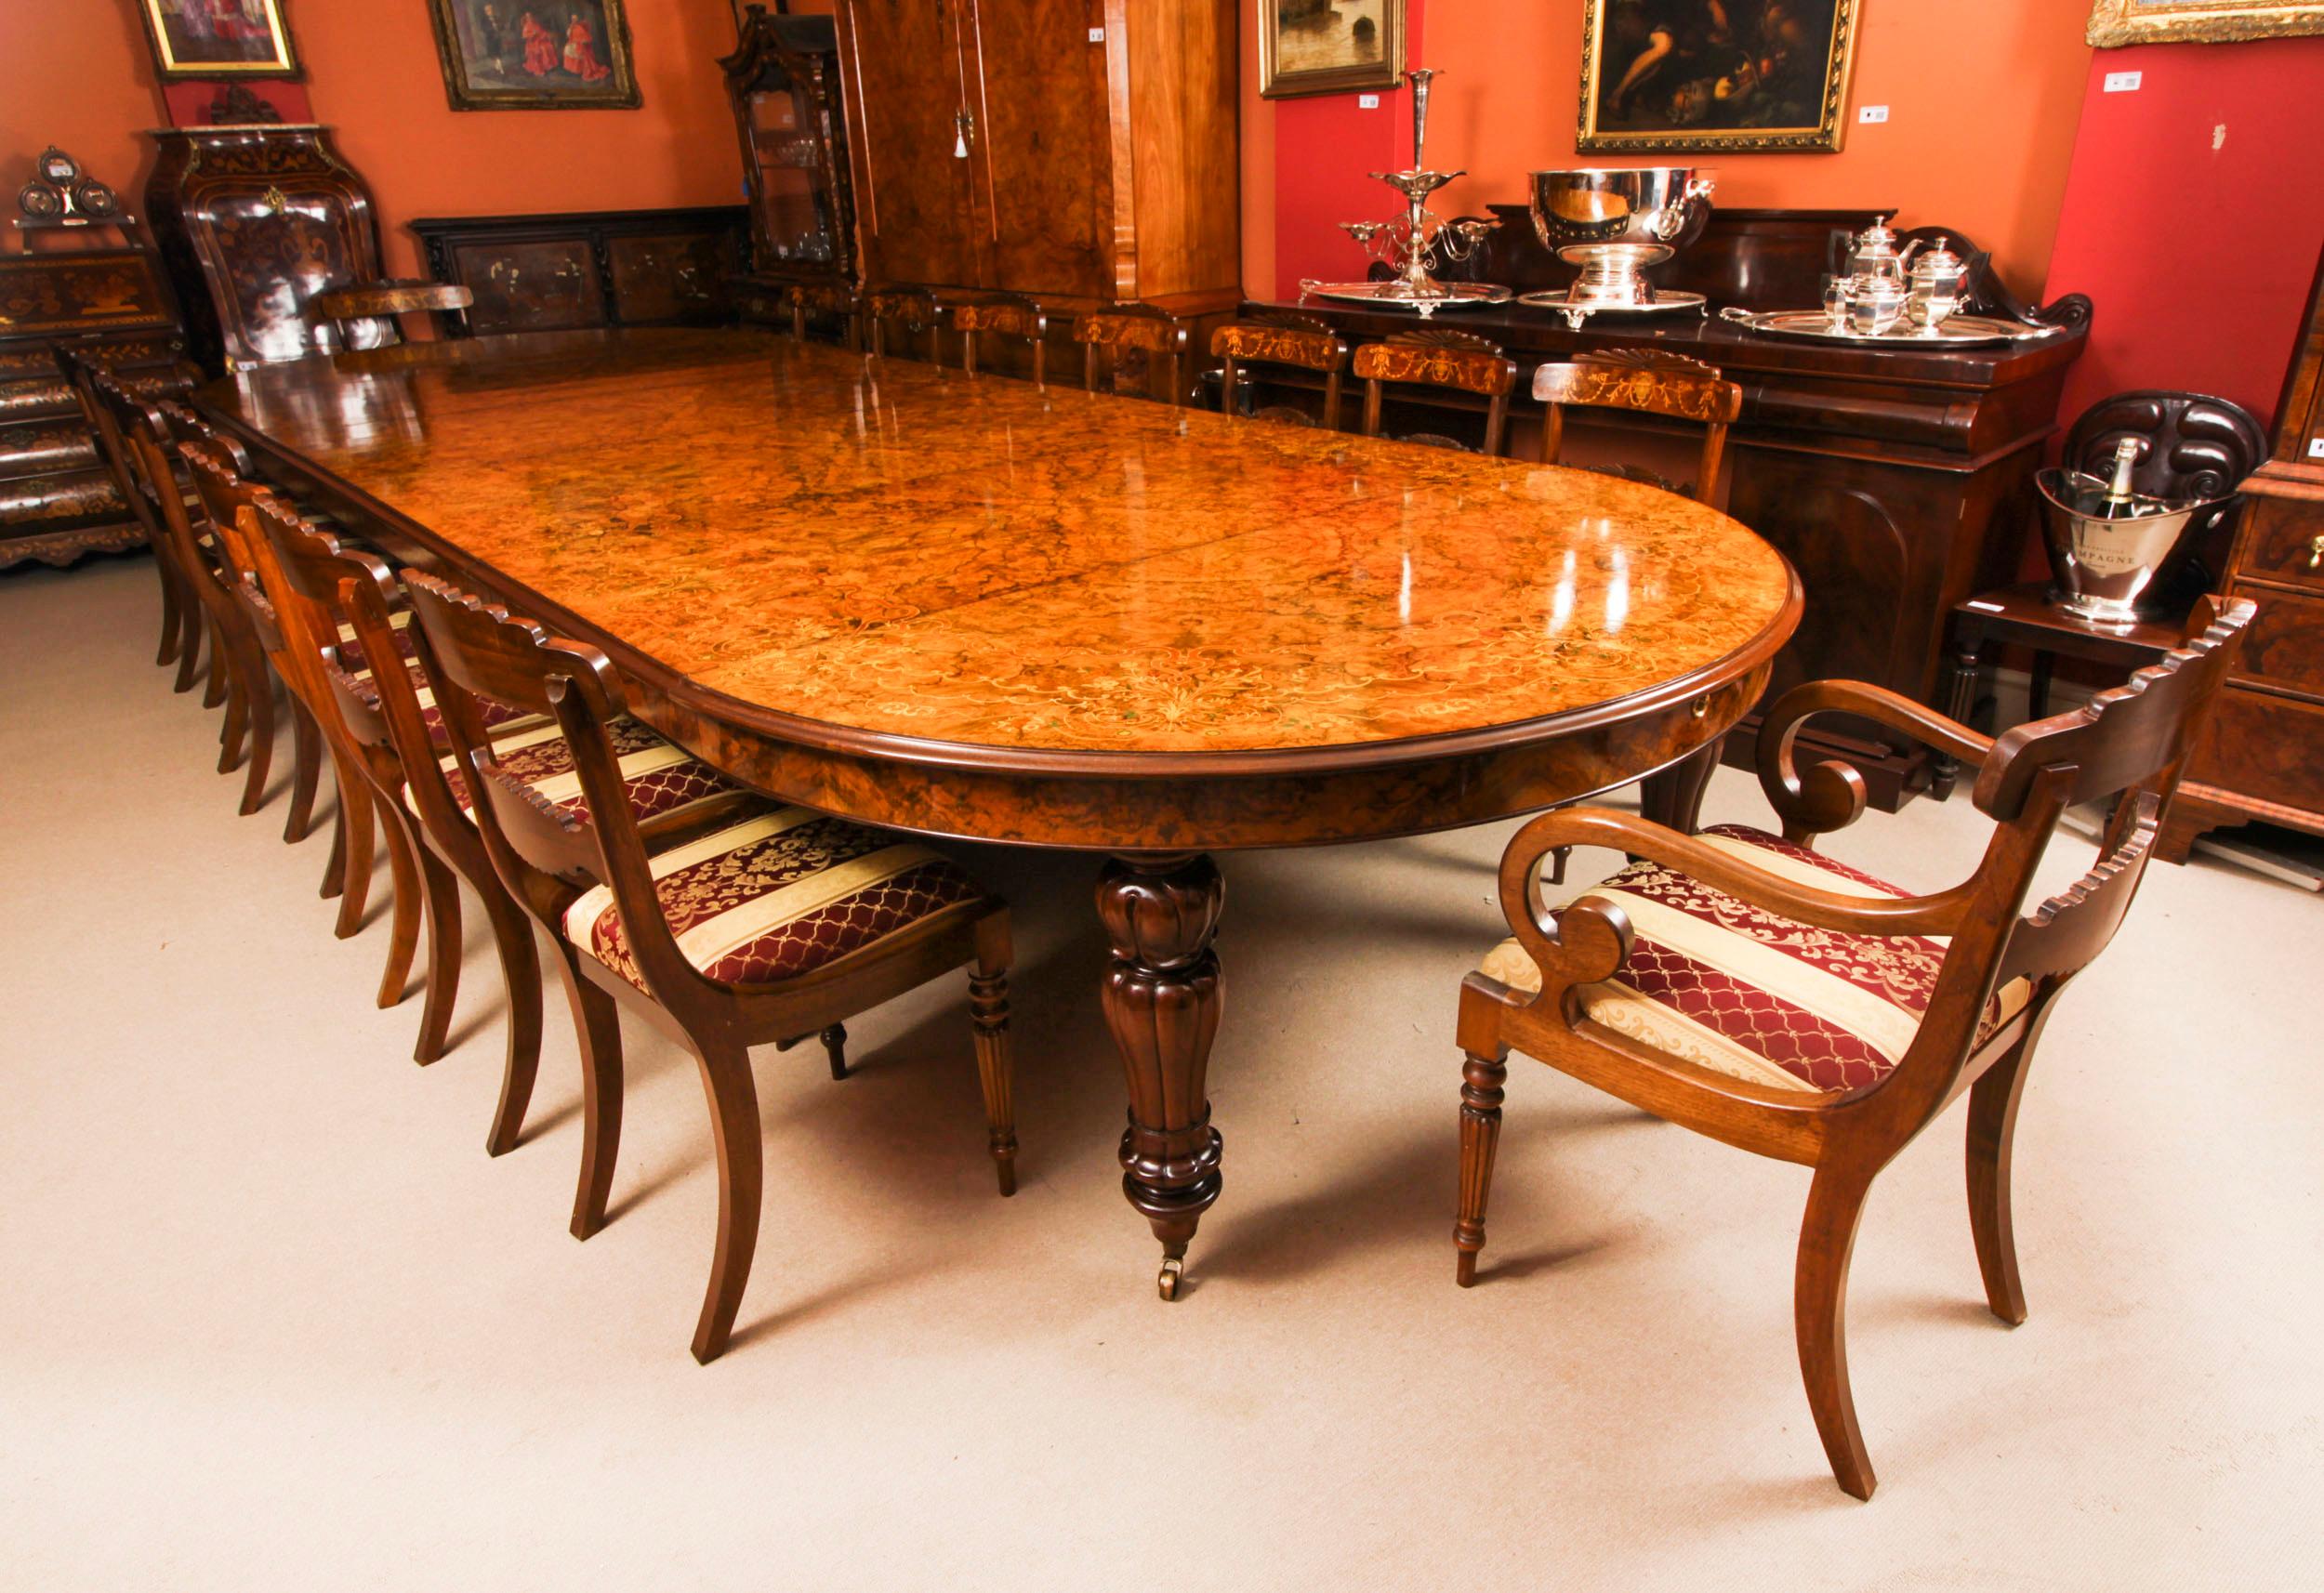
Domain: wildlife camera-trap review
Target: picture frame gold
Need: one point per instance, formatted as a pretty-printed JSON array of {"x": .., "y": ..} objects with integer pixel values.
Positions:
[
  {"x": 1784, "y": 89},
  {"x": 2114, "y": 23},
  {"x": 238, "y": 39},
  {"x": 1287, "y": 46},
  {"x": 507, "y": 55}
]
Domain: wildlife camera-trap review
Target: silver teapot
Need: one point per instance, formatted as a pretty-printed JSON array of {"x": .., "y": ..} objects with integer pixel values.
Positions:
[
  {"x": 1874, "y": 253},
  {"x": 1936, "y": 285}
]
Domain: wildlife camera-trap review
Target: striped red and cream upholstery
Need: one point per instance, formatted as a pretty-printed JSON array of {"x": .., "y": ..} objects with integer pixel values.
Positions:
[
  {"x": 1755, "y": 995},
  {"x": 661, "y": 776},
  {"x": 778, "y": 893},
  {"x": 497, "y": 717},
  {"x": 351, "y": 647}
]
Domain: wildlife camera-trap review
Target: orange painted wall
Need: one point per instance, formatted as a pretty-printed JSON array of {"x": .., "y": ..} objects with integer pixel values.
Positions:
[
  {"x": 78, "y": 73},
  {"x": 1982, "y": 96}
]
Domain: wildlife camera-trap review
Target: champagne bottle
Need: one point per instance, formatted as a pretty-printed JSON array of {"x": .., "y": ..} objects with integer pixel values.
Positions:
[{"x": 2118, "y": 493}]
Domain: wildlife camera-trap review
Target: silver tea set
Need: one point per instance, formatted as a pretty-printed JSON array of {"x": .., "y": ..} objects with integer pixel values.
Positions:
[{"x": 1921, "y": 285}]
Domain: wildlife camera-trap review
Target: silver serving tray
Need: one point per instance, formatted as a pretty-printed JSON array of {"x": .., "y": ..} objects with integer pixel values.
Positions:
[
  {"x": 1664, "y": 301},
  {"x": 1960, "y": 332},
  {"x": 1457, "y": 295}
]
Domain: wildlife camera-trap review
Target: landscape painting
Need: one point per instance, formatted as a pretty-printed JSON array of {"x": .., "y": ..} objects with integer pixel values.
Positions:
[
  {"x": 1329, "y": 47},
  {"x": 534, "y": 54}
]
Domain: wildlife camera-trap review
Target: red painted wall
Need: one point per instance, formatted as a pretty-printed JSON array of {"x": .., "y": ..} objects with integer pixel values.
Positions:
[
  {"x": 2192, "y": 218},
  {"x": 1983, "y": 98}
]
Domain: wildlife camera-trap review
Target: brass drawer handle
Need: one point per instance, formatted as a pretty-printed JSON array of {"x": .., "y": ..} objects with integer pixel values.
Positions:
[{"x": 2315, "y": 553}]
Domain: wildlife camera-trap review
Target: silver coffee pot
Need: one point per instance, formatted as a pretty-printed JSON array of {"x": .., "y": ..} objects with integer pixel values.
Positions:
[
  {"x": 1936, "y": 285},
  {"x": 1874, "y": 253}
]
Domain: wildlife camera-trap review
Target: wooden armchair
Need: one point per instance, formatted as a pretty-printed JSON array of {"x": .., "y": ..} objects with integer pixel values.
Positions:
[
  {"x": 1282, "y": 338},
  {"x": 1746, "y": 987},
  {"x": 1457, "y": 361},
  {"x": 835, "y": 300},
  {"x": 914, "y": 311},
  {"x": 1645, "y": 382},
  {"x": 1133, "y": 329},
  {"x": 746, "y": 922},
  {"x": 365, "y": 316},
  {"x": 1002, "y": 315}
]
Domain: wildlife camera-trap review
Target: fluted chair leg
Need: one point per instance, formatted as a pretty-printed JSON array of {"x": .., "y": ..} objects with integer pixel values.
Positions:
[
  {"x": 1481, "y": 1097},
  {"x": 988, "y": 1014}
]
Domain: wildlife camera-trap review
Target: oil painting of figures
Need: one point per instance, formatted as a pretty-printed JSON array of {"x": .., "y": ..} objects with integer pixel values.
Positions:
[{"x": 540, "y": 55}]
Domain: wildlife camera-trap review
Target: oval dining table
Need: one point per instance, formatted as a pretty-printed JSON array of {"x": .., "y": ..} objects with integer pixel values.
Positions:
[{"x": 966, "y": 606}]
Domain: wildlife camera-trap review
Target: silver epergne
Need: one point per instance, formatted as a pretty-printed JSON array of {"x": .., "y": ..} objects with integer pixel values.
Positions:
[
  {"x": 1613, "y": 222},
  {"x": 1408, "y": 244},
  {"x": 2110, "y": 547}
]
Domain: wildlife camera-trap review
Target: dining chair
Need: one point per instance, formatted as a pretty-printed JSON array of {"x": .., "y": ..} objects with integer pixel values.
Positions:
[
  {"x": 1437, "y": 358},
  {"x": 1282, "y": 338},
  {"x": 1744, "y": 985},
  {"x": 913, "y": 310},
  {"x": 1008, "y": 315},
  {"x": 182, "y": 608},
  {"x": 239, "y": 679},
  {"x": 1137, "y": 329},
  {"x": 381, "y": 304},
  {"x": 1642, "y": 382},
  {"x": 835, "y": 300},
  {"x": 746, "y": 922}
]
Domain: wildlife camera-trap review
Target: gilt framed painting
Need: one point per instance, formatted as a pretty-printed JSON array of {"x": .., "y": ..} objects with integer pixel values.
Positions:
[
  {"x": 1715, "y": 76},
  {"x": 219, "y": 38},
  {"x": 535, "y": 55},
  {"x": 2114, "y": 22},
  {"x": 1329, "y": 47}
]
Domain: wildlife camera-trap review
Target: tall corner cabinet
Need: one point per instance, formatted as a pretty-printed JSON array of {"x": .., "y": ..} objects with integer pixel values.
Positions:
[{"x": 1081, "y": 152}]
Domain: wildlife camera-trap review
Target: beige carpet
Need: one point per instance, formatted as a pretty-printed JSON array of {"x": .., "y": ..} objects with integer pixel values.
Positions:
[{"x": 270, "y": 1319}]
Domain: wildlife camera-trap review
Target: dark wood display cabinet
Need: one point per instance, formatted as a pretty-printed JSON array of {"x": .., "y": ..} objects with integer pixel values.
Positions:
[
  {"x": 784, "y": 82},
  {"x": 99, "y": 287},
  {"x": 1897, "y": 481},
  {"x": 588, "y": 269},
  {"x": 2261, "y": 756}
]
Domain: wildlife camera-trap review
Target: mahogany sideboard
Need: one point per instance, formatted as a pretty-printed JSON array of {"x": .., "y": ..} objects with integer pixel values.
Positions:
[
  {"x": 100, "y": 289},
  {"x": 2261, "y": 754},
  {"x": 1898, "y": 483},
  {"x": 586, "y": 268}
]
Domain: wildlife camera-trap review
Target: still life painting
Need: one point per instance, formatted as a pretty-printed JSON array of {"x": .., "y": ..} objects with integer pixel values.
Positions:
[
  {"x": 534, "y": 54},
  {"x": 1329, "y": 47},
  {"x": 219, "y": 38},
  {"x": 1699, "y": 76}
]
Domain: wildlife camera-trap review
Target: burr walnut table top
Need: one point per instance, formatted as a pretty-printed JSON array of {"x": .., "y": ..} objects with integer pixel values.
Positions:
[{"x": 857, "y": 578}]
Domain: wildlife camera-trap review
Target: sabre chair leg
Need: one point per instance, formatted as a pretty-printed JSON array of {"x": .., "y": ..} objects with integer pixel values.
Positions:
[
  {"x": 988, "y": 1015},
  {"x": 1481, "y": 1078},
  {"x": 259, "y": 704},
  {"x": 356, "y": 872},
  {"x": 230, "y": 732},
  {"x": 173, "y": 619},
  {"x": 1820, "y": 1304},
  {"x": 442, "y": 889},
  {"x": 734, "y": 1099},
  {"x": 1992, "y": 1127},
  {"x": 306, "y": 771},
  {"x": 335, "y": 866},
  {"x": 521, "y": 974},
  {"x": 220, "y": 680},
  {"x": 404, "y": 907},
  {"x": 597, "y": 1024}
]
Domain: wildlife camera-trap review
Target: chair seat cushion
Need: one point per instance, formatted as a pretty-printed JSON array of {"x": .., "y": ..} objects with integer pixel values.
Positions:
[
  {"x": 1753, "y": 995},
  {"x": 661, "y": 776},
  {"x": 776, "y": 894}
]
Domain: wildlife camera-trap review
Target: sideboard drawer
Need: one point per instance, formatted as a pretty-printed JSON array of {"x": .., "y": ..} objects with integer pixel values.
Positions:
[
  {"x": 2284, "y": 648},
  {"x": 2262, "y": 746},
  {"x": 2281, "y": 543}
]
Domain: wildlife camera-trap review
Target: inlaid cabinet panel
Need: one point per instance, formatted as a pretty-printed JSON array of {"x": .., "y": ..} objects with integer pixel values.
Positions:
[
  {"x": 669, "y": 276},
  {"x": 1044, "y": 189},
  {"x": 577, "y": 270},
  {"x": 531, "y": 287}
]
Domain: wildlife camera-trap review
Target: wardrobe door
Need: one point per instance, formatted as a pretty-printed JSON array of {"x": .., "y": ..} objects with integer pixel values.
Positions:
[
  {"x": 1037, "y": 90},
  {"x": 909, "y": 139}
]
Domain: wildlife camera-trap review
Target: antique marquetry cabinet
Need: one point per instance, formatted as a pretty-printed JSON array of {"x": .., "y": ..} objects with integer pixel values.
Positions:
[
  {"x": 1081, "y": 152},
  {"x": 585, "y": 268},
  {"x": 101, "y": 289},
  {"x": 253, "y": 222},
  {"x": 2261, "y": 755},
  {"x": 783, "y": 80}
]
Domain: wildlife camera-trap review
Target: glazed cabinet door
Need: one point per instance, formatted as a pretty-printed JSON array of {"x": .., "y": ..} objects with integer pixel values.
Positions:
[
  {"x": 1042, "y": 144},
  {"x": 906, "y": 108}
]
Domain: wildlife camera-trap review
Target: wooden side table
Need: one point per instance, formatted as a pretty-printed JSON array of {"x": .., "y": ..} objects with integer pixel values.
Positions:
[{"x": 2022, "y": 615}]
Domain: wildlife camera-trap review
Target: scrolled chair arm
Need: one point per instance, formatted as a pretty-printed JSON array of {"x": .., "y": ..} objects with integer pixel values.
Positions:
[
  {"x": 1588, "y": 941},
  {"x": 1830, "y": 795}
]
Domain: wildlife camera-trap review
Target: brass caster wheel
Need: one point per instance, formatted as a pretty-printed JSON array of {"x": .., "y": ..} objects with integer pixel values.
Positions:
[{"x": 1167, "y": 1283}]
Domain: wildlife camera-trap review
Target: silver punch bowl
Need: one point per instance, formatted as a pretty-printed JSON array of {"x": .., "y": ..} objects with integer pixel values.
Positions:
[{"x": 1642, "y": 206}]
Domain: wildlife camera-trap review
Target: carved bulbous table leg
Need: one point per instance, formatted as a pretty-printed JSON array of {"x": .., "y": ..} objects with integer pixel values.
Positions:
[{"x": 1162, "y": 998}]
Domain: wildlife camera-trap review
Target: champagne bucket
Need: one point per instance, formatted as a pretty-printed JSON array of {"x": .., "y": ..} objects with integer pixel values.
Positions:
[{"x": 2109, "y": 556}]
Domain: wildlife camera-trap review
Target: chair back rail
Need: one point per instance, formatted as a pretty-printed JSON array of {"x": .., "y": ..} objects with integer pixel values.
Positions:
[
  {"x": 1302, "y": 342},
  {"x": 1134, "y": 328},
  {"x": 835, "y": 300},
  {"x": 1439, "y": 358},
  {"x": 1002, "y": 315},
  {"x": 912, "y": 308},
  {"x": 1643, "y": 382}
]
